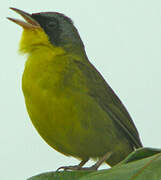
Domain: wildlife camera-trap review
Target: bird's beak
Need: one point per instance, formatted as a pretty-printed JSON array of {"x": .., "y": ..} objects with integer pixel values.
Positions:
[{"x": 30, "y": 22}]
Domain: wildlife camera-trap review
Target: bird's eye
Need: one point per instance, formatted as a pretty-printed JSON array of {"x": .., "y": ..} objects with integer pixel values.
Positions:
[{"x": 52, "y": 25}]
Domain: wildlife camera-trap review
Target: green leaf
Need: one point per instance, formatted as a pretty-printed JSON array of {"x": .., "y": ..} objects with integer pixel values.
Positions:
[
  {"x": 140, "y": 154},
  {"x": 143, "y": 164}
]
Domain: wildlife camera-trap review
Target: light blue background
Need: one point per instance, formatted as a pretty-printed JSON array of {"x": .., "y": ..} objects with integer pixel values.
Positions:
[{"x": 122, "y": 39}]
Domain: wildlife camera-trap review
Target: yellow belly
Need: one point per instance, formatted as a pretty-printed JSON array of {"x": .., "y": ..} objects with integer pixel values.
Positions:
[{"x": 69, "y": 122}]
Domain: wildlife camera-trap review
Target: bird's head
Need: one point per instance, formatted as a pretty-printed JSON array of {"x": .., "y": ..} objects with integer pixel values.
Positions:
[{"x": 49, "y": 29}]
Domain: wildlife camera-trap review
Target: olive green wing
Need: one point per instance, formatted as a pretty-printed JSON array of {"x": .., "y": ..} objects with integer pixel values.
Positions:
[{"x": 109, "y": 102}]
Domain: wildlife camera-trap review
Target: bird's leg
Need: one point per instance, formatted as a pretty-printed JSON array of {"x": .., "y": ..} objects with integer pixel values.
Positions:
[
  {"x": 100, "y": 161},
  {"x": 76, "y": 167},
  {"x": 92, "y": 168}
]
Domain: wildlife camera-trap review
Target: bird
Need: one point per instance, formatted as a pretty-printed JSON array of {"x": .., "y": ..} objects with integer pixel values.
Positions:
[{"x": 68, "y": 101}]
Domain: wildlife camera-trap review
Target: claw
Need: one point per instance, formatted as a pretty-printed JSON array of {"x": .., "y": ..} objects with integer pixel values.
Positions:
[{"x": 65, "y": 168}]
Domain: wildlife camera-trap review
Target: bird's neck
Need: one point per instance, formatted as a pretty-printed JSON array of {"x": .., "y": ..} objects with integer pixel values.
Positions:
[{"x": 75, "y": 50}]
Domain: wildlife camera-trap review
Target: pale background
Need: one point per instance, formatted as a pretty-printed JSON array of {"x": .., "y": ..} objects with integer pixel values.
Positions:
[{"x": 122, "y": 39}]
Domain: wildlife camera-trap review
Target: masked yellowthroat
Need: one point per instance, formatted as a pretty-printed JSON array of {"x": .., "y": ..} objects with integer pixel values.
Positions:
[{"x": 70, "y": 104}]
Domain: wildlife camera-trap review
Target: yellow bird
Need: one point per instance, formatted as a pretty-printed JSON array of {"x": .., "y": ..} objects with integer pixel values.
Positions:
[{"x": 70, "y": 104}]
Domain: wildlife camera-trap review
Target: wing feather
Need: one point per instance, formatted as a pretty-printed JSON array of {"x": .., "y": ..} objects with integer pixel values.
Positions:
[{"x": 109, "y": 102}]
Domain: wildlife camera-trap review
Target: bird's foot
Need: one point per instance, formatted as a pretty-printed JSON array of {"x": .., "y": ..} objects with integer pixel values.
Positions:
[
  {"x": 77, "y": 167},
  {"x": 92, "y": 168},
  {"x": 66, "y": 168}
]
